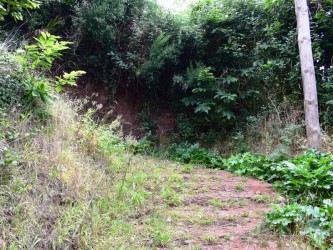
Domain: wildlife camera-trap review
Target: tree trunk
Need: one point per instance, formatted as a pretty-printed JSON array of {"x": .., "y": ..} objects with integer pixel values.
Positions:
[{"x": 308, "y": 75}]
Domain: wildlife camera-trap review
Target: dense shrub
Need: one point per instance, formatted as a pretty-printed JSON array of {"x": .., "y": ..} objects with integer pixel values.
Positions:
[
  {"x": 314, "y": 222},
  {"x": 14, "y": 8},
  {"x": 11, "y": 88},
  {"x": 128, "y": 44},
  {"x": 307, "y": 178},
  {"x": 260, "y": 166},
  {"x": 235, "y": 67},
  {"x": 193, "y": 153},
  {"x": 307, "y": 182}
]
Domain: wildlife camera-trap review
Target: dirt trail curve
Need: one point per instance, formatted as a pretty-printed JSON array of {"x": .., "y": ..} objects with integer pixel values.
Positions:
[{"x": 224, "y": 211}]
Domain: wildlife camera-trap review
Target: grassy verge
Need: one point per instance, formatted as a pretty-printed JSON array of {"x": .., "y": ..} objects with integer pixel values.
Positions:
[{"x": 67, "y": 183}]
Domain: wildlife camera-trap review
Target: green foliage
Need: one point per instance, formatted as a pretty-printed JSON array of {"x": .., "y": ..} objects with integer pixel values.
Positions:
[
  {"x": 314, "y": 222},
  {"x": 325, "y": 93},
  {"x": 285, "y": 219},
  {"x": 223, "y": 60},
  {"x": 161, "y": 52},
  {"x": 23, "y": 75},
  {"x": 235, "y": 66},
  {"x": 147, "y": 122},
  {"x": 37, "y": 89},
  {"x": 192, "y": 153},
  {"x": 68, "y": 79},
  {"x": 307, "y": 178},
  {"x": 126, "y": 43},
  {"x": 208, "y": 94},
  {"x": 185, "y": 129},
  {"x": 15, "y": 7},
  {"x": 41, "y": 54},
  {"x": 260, "y": 166},
  {"x": 11, "y": 89},
  {"x": 322, "y": 26}
]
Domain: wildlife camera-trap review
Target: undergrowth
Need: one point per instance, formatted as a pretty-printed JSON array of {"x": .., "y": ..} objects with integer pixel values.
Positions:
[{"x": 69, "y": 183}]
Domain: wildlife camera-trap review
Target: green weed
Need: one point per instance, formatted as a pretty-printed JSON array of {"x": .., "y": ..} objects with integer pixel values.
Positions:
[
  {"x": 171, "y": 197},
  {"x": 217, "y": 203},
  {"x": 159, "y": 230},
  {"x": 187, "y": 169},
  {"x": 240, "y": 187},
  {"x": 210, "y": 239},
  {"x": 227, "y": 236},
  {"x": 260, "y": 199}
]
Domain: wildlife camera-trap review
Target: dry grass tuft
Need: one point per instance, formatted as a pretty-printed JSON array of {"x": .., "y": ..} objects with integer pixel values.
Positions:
[{"x": 76, "y": 186}]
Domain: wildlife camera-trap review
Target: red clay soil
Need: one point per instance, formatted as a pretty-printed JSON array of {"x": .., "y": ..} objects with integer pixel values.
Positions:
[
  {"x": 125, "y": 106},
  {"x": 224, "y": 211}
]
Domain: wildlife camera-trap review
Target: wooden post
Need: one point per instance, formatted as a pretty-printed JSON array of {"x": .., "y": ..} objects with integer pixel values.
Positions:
[{"x": 308, "y": 75}]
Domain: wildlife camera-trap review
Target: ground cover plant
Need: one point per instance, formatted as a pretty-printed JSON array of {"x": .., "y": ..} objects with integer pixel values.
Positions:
[{"x": 306, "y": 181}]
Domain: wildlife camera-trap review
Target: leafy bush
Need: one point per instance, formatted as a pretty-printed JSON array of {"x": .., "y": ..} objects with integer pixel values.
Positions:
[
  {"x": 14, "y": 8},
  {"x": 162, "y": 51},
  {"x": 209, "y": 95},
  {"x": 192, "y": 153},
  {"x": 147, "y": 122},
  {"x": 40, "y": 56},
  {"x": 185, "y": 129},
  {"x": 11, "y": 89},
  {"x": 143, "y": 146},
  {"x": 314, "y": 222},
  {"x": 307, "y": 181},
  {"x": 224, "y": 72},
  {"x": 127, "y": 43},
  {"x": 286, "y": 219},
  {"x": 260, "y": 166},
  {"x": 307, "y": 178},
  {"x": 22, "y": 73}
]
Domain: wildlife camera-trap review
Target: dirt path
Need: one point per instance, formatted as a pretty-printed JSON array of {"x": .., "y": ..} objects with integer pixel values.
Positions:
[{"x": 223, "y": 211}]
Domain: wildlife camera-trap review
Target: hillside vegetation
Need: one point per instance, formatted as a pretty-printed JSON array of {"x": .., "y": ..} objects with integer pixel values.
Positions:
[{"x": 195, "y": 138}]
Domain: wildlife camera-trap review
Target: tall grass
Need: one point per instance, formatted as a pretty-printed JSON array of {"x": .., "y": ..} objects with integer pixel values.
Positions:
[{"x": 76, "y": 185}]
